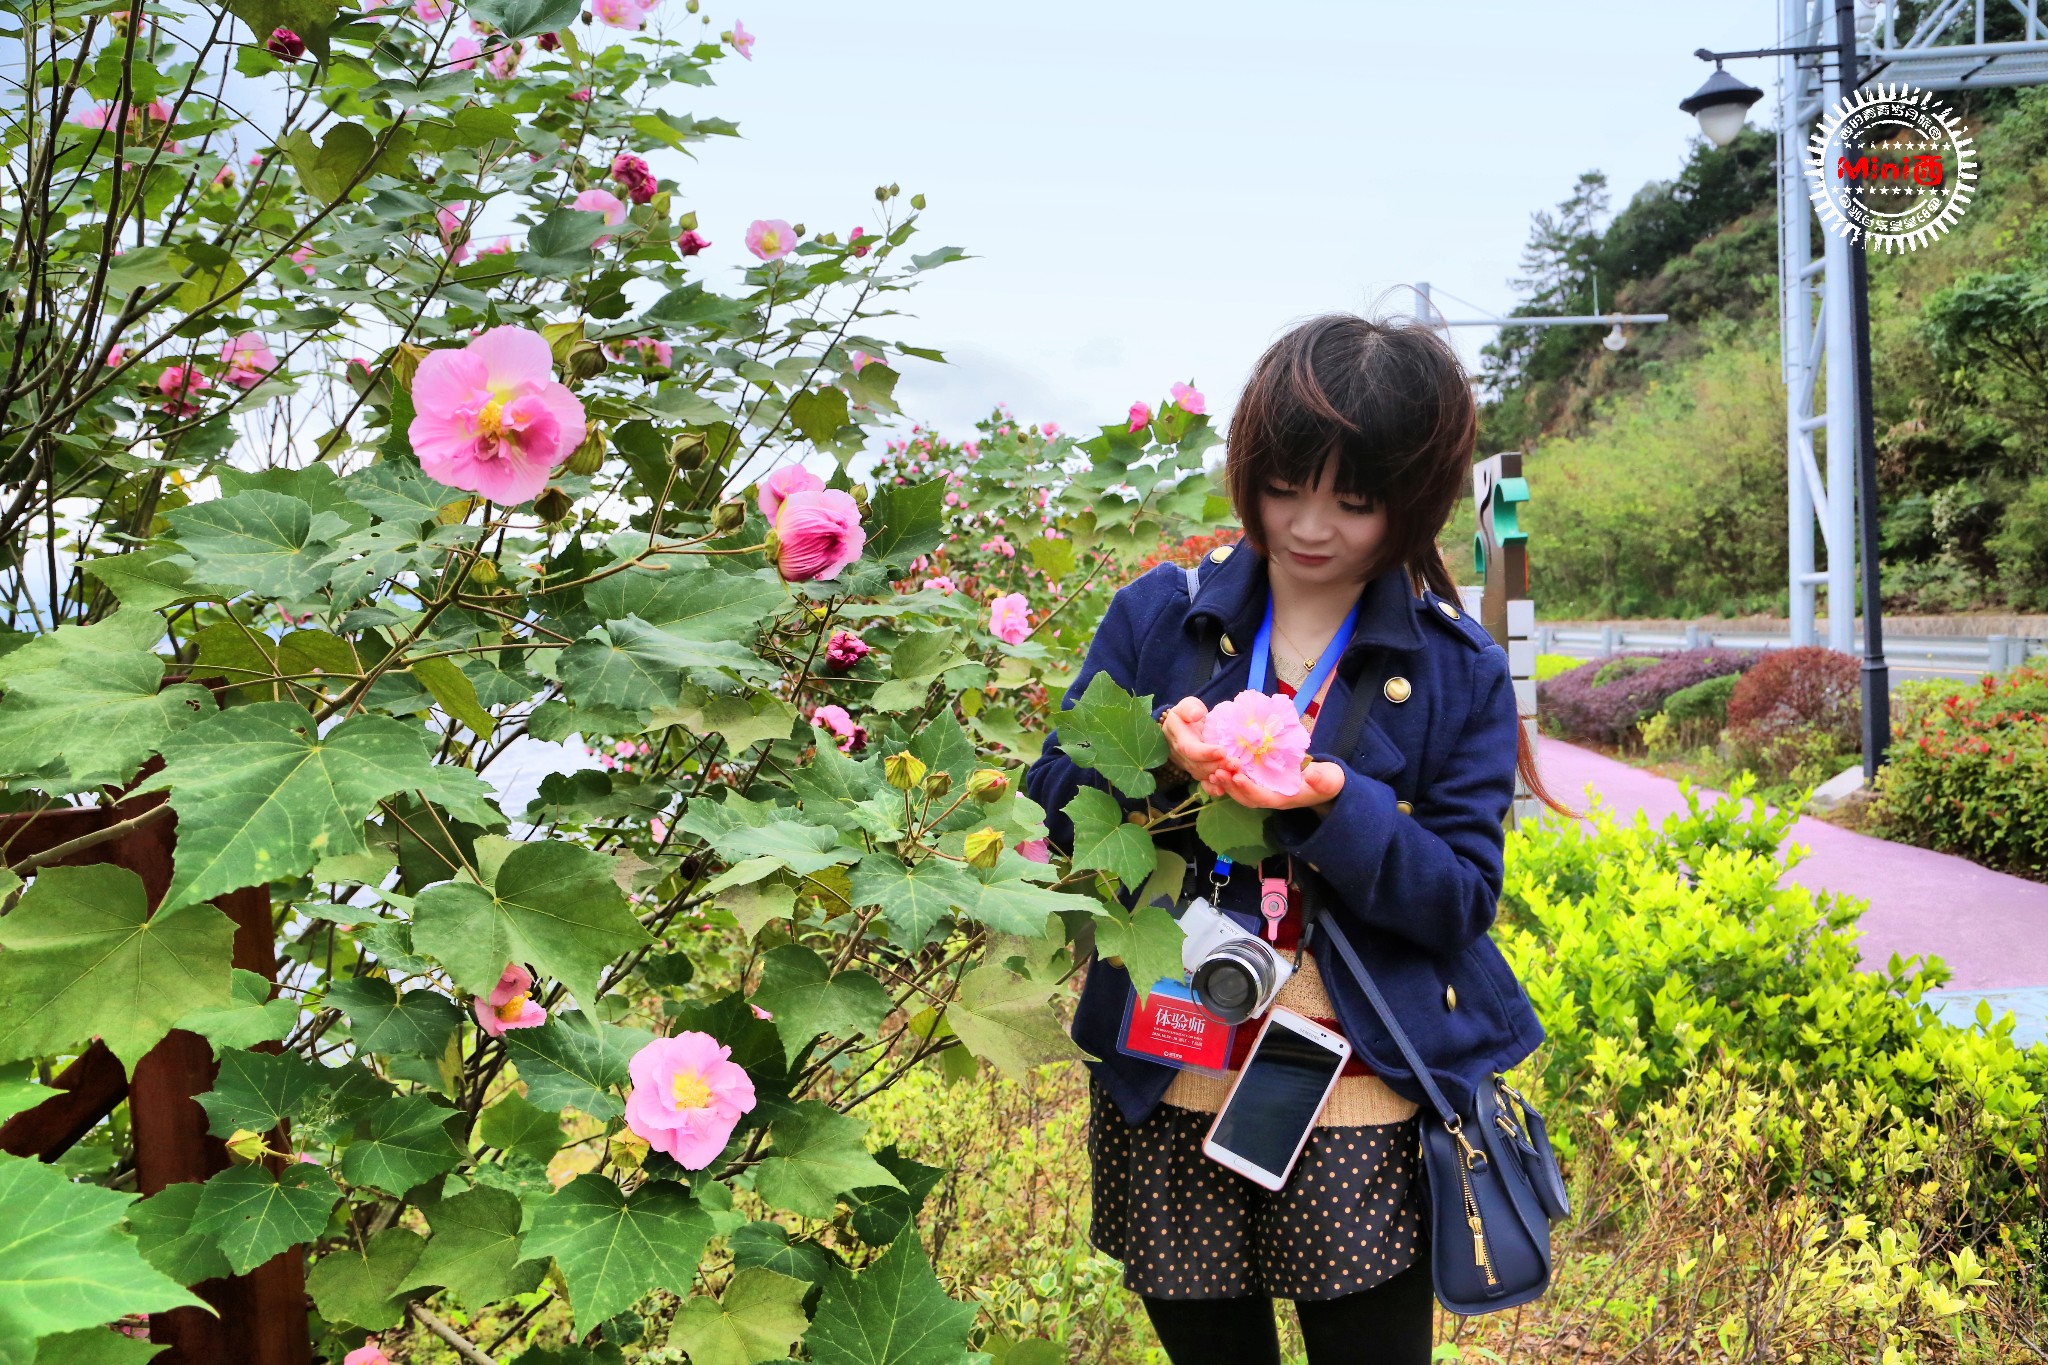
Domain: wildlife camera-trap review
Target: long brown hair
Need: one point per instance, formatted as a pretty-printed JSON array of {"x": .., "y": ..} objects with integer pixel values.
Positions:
[{"x": 1395, "y": 403}]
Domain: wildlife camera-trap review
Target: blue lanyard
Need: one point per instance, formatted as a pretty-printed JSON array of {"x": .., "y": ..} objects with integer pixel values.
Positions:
[{"x": 1262, "y": 645}]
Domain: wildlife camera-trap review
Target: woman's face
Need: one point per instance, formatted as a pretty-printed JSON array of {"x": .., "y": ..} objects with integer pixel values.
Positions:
[{"x": 1315, "y": 538}]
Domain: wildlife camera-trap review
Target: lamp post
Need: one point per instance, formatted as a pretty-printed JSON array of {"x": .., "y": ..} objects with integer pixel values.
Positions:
[{"x": 1721, "y": 106}]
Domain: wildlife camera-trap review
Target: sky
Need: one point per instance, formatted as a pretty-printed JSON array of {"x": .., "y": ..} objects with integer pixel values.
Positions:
[{"x": 1152, "y": 192}]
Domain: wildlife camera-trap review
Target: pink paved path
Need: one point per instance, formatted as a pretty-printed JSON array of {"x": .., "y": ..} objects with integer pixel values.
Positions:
[{"x": 1990, "y": 928}]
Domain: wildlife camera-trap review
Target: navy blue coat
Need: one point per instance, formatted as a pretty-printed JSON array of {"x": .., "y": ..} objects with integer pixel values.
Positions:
[{"x": 1412, "y": 846}]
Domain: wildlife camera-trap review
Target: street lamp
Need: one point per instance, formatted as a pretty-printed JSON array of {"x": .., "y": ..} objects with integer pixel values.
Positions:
[{"x": 1722, "y": 106}]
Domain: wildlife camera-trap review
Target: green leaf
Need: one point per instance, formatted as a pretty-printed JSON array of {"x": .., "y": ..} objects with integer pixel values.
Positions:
[
  {"x": 335, "y": 168},
  {"x": 1053, "y": 558},
  {"x": 84, "y": 957},
  {"x": 551, "y": 904},
  {"x": 97, "y": 1346},
  {"x": 252, "y": 1216},
  {"x": 759, "y": 1317},
  {"x": 559, "y": 245},
  {"x": 474, "y": 1252},
  {"x": 706, "y": 605},
  {"x": 1007, "y": 1020},
  {"x": 816, "y": 1153},
  {"x": 418, "y": 1023},
  {"x": 1148, "y": 942},
  {"x": 522, "y": 1129},
  {"x": 913, "y": 898},
  {"x": 261, "y": 796},
  {"x": 250, "y": 1017},
  {"x": 64, "y": 1263},
  {"x": 19, "y": 1089},
  {"x": 1113, "y": 732},
  {"x": 1104, "y": 839},
  {"x": 456, "y": 693},
  {"x": 401, "y": 1142},
  {"x": 880, "y": 1213},
  {"x": 363, "y": 1289},
  {"x": 612, "y": 1249},
  {"x": 162, "y": 1225},
  {"x": 906, "y": 520},
  {"x": 310, "y": 19},
  {"x": 398, "y": 493},
  {"x": 799, "y": 989},
  {"x": 638, "y": 666},
  {"x": 893, "y": 1313},
  {"x": 818, "y": 414},
  {"x": 258, "y": 1090},
  {"x": 766, "y": 1244},
  {"x": 264, "y": 541},
  {"x": 576, "y": 1062},
  {"x": 525, "y": 18},
  {"x": 1238, "y": 832},
  {"x": 737, "y": 828},
  {"x": 146, "y": 580},
  {"x": 85, "y": 705},
  {"x": 1010, "y": 902}
]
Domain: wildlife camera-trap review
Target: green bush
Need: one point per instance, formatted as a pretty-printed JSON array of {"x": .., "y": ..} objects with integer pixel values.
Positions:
[
  {"x": 1623, "y": 666},
  {"x": 1691, "y": 716},
  {"x": 1967, "y": 768},
  {"x": 1650, "y": 953}
]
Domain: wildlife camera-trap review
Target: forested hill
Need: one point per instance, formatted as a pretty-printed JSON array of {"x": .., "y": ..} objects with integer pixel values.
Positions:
[{"x": 1657, "y": 473}]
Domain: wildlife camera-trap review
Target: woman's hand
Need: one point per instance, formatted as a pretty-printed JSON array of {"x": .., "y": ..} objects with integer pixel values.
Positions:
[
  {"x": 1186, "y": 749},
  {"x": 1320, "y": 784}
]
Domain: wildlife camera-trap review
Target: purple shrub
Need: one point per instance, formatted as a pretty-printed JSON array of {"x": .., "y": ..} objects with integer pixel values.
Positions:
[{"x": 1577, "y": 709}]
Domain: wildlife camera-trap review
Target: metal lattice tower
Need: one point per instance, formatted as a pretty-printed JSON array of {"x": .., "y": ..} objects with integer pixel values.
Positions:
[{"x": 1946, "y": 50}]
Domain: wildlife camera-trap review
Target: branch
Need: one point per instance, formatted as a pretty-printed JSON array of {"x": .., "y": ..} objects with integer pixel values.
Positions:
[{"x": 464, "y": 1347}]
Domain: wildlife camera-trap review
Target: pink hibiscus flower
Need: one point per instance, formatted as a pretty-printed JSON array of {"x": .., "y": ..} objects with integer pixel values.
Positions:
[
  {"x": 1262, "y": 737},
  {"x": 852, "y": 736},
  {"x": 626, "y": 14},
  {"x": 770, "y": 238},
  {"x": 177, "y": 383},
  {"x": 1036, "y": 850},
  {"x": 366, "y": 1355},
  {"x": 511, "y": 1004},
  {"x": 788, "y": 479},
  {"x": 1189, "y": 399},
  {"x": 687, "y": 1097},
  {"x": 692, "y": 242},
  {"x": 1141, "y": 416},
  {"x": 742, "y": 41},
  {"x": 462, "y": 54},
  {"x": 449, "y": 220},
  {"x": 818, "y": 533},
  {"x": 491, "y": 418},
  {"x": 634, "y": 177},
  {"x": 249, "y": 360},
  {"x": 605, "y": 202},
  {"x": 1009, "y": 618}
]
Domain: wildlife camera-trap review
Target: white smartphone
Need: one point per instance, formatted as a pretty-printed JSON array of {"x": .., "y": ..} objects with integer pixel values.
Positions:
[{"x": 1271, "y": 1108}]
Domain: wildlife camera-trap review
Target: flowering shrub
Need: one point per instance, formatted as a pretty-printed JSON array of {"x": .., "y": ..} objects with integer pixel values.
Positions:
[
  {"x": 405, "y": 428},
  {"x": 1966, "y": 769},
  {"x": 1576, "y": 705}
]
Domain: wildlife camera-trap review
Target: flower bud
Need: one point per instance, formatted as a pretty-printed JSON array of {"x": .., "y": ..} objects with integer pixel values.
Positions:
[
  {"x": 552, "y": 505},
  {"x": 772, "y": 547},
  {"x": 550, "y": 42},
  {"x": 589, "y": 457},
  {"x": 881, "y": 194},
  {"x": 586, "y": 360},
  {"x": 938, "y": 784},
  {"x": 903, "y": 770},
  {"x": 894, "y": 189},
  {"x": 728, "y": 517},
  {"x": 797, "y": 229},
  {"x": 484, "y": 572},
  {"x": 987, "y": 785},
  {"x": 984, "y": 847},
  {"x": 687, "y": 450},
  {"x": 247, "y": 1145},
  {"x": 688, "y": 222},
  {"x": 917, "y": 201},
  {"x": 405, "y": 363},
  {"x": 286, "y": 45}
]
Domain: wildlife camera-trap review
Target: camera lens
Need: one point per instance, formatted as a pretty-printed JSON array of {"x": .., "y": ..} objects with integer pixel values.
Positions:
[{"x": 1232, "y": 980}]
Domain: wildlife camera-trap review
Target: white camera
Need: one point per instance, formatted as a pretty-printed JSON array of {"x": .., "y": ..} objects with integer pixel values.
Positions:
[{"x": 1234, "y": 973}]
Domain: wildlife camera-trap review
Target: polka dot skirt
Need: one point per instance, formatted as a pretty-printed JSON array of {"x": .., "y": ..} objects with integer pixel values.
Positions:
[{"x": 1187, "y": 1227}]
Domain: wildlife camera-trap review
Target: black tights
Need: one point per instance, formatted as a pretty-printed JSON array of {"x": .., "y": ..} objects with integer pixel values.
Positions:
[{"x": 1391, "y": 1323}]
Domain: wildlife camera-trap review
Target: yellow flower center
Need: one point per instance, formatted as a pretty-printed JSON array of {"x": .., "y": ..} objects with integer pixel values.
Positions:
[
  {"x": 511, "y": 1008},
  {"x": 771, "y": 240},
  {"x": 490, "y": 423},
  {"x": 690, "y": 1090}
]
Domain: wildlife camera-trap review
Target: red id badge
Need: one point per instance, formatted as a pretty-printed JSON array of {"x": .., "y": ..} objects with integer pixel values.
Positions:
[{"x": 1175, "y": 1028}]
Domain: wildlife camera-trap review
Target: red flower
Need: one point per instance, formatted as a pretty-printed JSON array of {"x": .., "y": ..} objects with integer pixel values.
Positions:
[{"x": 286, "y": 45}]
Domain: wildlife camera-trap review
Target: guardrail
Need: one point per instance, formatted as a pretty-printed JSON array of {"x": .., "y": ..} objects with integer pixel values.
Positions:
[{"x": 1988, "y": 653}]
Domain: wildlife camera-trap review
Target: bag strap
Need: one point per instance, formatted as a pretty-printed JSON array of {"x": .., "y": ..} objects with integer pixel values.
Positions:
[{"x": 1208, "y": 659}]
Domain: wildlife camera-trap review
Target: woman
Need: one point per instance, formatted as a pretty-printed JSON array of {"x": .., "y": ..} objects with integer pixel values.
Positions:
[{"x": 1348, "y": 451}]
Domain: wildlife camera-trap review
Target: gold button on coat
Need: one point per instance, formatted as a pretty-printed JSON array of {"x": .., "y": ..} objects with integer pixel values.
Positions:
[
  {"x": 1397, "y": 689},
  {"x": 1229, "y": 648},
  {"x": 1220, "y": 553},
  {"x": 1447, "y": 609},
  {"x": 1450, "y": 997},
  {"x": 1404, "y": 808}
]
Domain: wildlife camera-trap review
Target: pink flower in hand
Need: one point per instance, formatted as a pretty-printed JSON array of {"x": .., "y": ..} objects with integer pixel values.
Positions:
[
  {"x": 788, "y": 479},
  {"x": 687, "y": 1097},
  {"x": 604, "y": 202},
  {"x": 511, "y": 1004},
  {"x": 249, "y": 360},
  {"x": 1262, "y": 738},
  {"x": 742, "y": 41},
  {"x": 770, "y": 238},
  {"x": 1189, "y": 399},
  {"x": 818, "y": 533},
  {"x": 1009, "y": 618},
  {"x": 1141, "y": 416},
  {"x": 490, "y": 417},
  {"x": 462, "y": 54}
]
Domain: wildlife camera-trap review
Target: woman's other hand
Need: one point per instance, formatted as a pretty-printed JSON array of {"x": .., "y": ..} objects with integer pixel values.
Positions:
[
  {"x": 1320, "y": 784},
  {"x": 1186, "y": 749}
]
